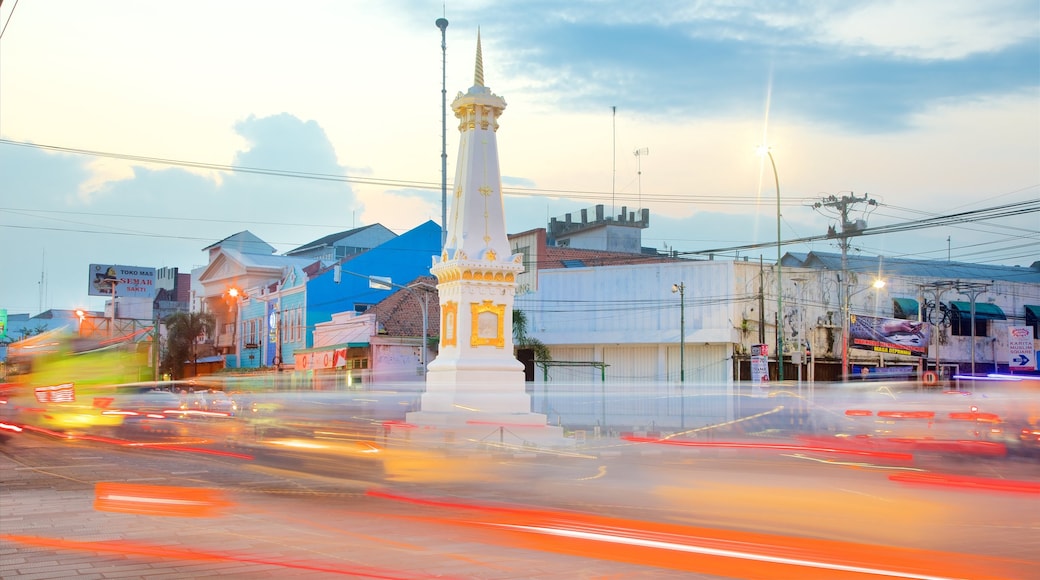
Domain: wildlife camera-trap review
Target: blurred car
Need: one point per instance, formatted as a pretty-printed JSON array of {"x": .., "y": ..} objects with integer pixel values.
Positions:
[
  {"x": 211, "y": 402},
  {"x": 156, "y": 412}
]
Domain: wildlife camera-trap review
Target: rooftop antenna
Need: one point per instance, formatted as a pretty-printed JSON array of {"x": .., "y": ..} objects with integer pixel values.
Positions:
[
  {"x": 43, "y": 279},
  {"x": 613, "y": 176},
  {"x": 639, "y": 153}
]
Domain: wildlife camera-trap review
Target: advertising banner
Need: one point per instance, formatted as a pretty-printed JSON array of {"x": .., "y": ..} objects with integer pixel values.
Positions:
[
  {"x": 122, "y": 281},
  {"x": 889, "y": 335},
  {"x": 3, "y": 322},
  {"x": 1021, "y": 354},
  {"x": 760, "y": 363},
  {"x": 272, "y": 334}
]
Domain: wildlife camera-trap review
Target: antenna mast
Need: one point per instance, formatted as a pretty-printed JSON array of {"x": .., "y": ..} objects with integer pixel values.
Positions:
[
  {"x": 613, "y": 146},
  {"x": 442, "y": 23},
  {"x": 639, "y": 153}
]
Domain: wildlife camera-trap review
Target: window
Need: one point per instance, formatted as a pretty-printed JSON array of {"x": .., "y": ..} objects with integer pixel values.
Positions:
[
  {"x": 526, "y": 251},
  {"x": 1033, "y": 319},
  {"x": 905, "y": 308},
  {"x": 960, "y": 316}
]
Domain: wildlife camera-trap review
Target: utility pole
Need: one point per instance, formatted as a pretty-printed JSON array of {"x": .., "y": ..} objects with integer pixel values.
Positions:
[
  {"x": 761, "y": 302},
  {"x": 849, "y": 229},
  {"x": 681, "y": 289}
]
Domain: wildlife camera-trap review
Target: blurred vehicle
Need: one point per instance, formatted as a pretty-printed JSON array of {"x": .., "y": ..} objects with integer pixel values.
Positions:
[
  {"x": 156, "y": 412},
  {"x": 211, "y": 401},
  {"x": 63, "y": 382}
]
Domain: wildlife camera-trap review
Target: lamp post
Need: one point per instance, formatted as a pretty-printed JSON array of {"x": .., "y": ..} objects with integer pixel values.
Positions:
[
  {"x": 680, "y": 288},
  {"x": 937, "y": 290},
  {"x": 972, "y": 290},
  {"x": 779, "y": 274},
  {"x": 381, "y": 283},
  {"x": 425, "y": 317},
  {"x": 442, "y": 24},
  {"x": 234, "y": 294}
]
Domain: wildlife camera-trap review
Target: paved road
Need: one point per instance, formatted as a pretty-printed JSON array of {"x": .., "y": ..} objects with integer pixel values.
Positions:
[{"x": 280, "y": 523}]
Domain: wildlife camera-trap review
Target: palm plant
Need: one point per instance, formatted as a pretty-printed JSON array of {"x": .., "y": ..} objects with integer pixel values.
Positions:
[
  {"x": 184, "y": 329},
  {"x": 522, "y": 341}
]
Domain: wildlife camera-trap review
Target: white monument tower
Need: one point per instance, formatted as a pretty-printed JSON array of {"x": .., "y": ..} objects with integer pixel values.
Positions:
[{"x": 475, "y": 379}]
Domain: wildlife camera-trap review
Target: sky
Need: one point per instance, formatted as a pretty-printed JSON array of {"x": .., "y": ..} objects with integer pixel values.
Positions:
[{"x": 138, "y": 133}]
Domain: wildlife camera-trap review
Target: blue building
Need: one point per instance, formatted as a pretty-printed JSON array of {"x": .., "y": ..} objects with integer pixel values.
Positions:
[{"x": 271, "y": 320}]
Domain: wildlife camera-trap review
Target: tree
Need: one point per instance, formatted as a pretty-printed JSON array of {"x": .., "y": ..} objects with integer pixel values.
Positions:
[
  {"x": 27, "y": 332},
  {"x": 521, "y": 340},
  {"x": 183, "y": 331}
]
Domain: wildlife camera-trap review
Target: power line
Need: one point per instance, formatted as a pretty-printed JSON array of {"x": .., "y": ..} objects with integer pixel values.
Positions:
[
  {"x": 9, "y": 17},
  {"x": 1007, "y": 210},
  {"x": 423, "y": 185}
]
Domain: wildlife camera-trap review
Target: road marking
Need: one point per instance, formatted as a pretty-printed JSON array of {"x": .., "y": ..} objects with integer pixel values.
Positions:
[{"x": 717, "y": 552}]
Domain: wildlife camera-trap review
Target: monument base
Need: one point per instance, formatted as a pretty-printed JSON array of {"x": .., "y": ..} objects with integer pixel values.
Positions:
[
  {"x": 505, "y": 431},
  {"x": 479, "y": 403},
  {"x": 475, "y": 389}
]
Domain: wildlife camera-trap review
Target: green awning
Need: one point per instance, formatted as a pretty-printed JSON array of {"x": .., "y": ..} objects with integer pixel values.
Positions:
[
  {"x": 905, "y": 308},
  {"x": 983, "y": 311},
  {"x": 1032, "y": 314}
]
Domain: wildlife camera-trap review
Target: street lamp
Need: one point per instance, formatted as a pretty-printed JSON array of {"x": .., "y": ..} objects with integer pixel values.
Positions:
[
  {"x": 763, "y": 150},
  {"x": 877, "y": 285},
  {"x": 381, "y": 283},
  {"x": 425, "y": 316},
  {"x": 681, "y": 289},
  {"x": 234, "y": 294},
  {"x": 442, "y": 24},
  {"x": 972, "y": 290}
]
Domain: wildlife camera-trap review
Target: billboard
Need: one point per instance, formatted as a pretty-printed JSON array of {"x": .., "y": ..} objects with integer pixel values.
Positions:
[
  {"x": 889, "y": 335},
  {"x": 122, "y": 281}
]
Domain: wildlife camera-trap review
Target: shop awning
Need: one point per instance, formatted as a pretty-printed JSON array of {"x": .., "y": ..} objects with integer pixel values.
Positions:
[
  {"x": 905, "y": 308},
  {"x": 1032, "y": 315},
  {"x": 983, "y": 311}
]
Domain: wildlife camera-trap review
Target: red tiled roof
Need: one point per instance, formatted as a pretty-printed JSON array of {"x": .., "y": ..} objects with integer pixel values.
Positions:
[
  {"x": 401, "y": 313},
  {"x": 554, "y": 256}
]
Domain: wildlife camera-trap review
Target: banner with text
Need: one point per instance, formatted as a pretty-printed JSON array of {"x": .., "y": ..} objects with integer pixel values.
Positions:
[
  {"x": 889, "y": 335},
  {"x": 1022, "y": 354},
  {"x": 121, "y": 281}
]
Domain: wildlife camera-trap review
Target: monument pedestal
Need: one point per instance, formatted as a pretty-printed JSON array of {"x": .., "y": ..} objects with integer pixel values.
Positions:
[{"x": 480, "y": 403}]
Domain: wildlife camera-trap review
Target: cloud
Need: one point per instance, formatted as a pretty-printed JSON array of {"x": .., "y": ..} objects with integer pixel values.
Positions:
[
  {"x": 866, "y": 67},
  {"x": 163, "y": 216},
  {"x": 933, "y": 29}
]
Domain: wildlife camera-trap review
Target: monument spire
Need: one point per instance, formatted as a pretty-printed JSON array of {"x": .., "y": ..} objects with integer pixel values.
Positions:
[
  {"x": 476, "y": 378},
  {"x": 478, "y": 72}
]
